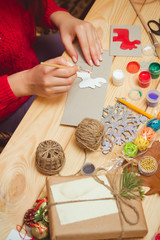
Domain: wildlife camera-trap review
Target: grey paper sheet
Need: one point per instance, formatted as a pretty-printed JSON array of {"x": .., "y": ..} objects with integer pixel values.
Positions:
[
  {"x": 134, "y": 34},
  {"x": 87, "y": 102}
]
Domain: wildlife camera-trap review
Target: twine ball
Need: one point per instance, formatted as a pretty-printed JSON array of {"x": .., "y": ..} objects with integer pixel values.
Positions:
[
  {"x": 130, "y": 149},
  {"x": 141, "y": 143},
  {"x": 154, "y": 123},
  {"x": 50, "y": 157},
  {"x": 89, "y": 134},
  {"x": 148, "y": 133}
]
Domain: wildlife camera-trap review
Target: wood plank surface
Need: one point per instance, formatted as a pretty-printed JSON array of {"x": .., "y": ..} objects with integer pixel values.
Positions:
[{"x": 20, "y": 182}]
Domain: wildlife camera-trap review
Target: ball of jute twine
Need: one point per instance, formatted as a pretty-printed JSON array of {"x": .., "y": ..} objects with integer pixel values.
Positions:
[
  {"x": 50, "y": 157},
  {"x": 89, "y": 134}
]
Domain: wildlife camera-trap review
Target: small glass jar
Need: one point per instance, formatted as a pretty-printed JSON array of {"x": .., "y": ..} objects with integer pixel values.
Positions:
[
  {"x": 153, "y": 97},
  {"x": 118, "y": 77},
  {"x": 154, "y": 69},
  {"x": 147, "y": 166},
  {"x": 144, "y": 79}
]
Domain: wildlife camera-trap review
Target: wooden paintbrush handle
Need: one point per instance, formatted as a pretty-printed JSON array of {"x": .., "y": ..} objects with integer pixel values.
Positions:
[
  {"x": 140, "y": 16},
  {"x": 54, "y": 65}
]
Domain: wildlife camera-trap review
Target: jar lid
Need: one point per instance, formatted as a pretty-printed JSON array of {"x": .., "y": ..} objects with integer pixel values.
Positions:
[
  {"x": 118, "y": 75},
  {"x": 154, "y": 68},
  {"x": 135, "y": 94},
  {"x": 148, "y": 50},
  {"x": 147, "y": 165},
  {"x": 133, "y": 67},
  {"x": 88, "y": 169},
  {"x": 153, "y": 96},
  {"x": 144, "y": 76}
]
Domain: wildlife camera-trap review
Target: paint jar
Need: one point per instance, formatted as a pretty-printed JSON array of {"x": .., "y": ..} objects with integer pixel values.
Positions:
[
  {"x": 118, "y": 77},
  {"x": 148, "y": 50},
  {"x": 144, "y": 79},
  {"x": 153, "y": 97},
  {"x": 147, "y": 165},
  {"x": 154, "y": 69}
]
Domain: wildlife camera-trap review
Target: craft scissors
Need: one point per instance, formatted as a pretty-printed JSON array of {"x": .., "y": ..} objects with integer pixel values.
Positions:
[{"x": 150, "y": 23}]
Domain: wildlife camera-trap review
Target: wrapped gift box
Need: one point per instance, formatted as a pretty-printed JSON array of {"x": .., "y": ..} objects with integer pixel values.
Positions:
[{"x": 77, "y": 214}]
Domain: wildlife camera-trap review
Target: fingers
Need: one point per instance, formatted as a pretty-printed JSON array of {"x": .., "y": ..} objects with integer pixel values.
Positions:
[
  {"x": 68, "y": 43},
  {"x": 90, "y": 43},
  {"x": 58, "y": 80},
  {"x": 59, "y": 60},
  {"x": 61, "y": 81}
]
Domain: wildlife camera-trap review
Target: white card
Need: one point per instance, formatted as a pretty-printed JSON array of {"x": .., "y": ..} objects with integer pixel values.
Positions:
[
  {"x": 15, "y": 235},
  {"x": 83, "y": 189}
]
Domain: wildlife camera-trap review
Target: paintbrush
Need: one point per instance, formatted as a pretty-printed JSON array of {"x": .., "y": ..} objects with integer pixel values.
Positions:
[
  {"x": 153, "y": 38},
  {"x": 63, "y": 66}
]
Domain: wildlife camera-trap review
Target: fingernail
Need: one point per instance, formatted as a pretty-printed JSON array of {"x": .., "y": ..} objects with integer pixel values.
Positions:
[
  {"x": 100, "y": 57},
  {"x": 90, "y": 62},
  {"x": 97, "y": 62},
  {"x": 70, "y": 64},
  {"x": 74, "y": 59}
]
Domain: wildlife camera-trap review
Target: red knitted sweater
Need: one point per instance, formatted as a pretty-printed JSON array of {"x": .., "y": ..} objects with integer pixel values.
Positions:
[{"x": 17, "y": 35}]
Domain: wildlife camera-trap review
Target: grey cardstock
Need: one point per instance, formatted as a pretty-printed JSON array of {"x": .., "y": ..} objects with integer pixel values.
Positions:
[
  {"x": 134, "y": 34},
  {"x": 87, "y": 102}
]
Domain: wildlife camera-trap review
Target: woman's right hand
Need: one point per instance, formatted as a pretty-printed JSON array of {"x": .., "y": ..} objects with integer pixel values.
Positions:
[{"x": 44, "y": 80}]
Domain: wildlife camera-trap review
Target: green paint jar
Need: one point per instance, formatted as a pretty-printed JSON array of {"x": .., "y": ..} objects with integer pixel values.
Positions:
[{"x": 154, "y": 69}]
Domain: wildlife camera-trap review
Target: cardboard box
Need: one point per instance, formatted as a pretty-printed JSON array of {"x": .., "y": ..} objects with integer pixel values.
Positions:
[{"x": 94, "y": 223}]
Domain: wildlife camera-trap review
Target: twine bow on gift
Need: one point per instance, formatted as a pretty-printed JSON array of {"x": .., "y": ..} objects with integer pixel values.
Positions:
[
  {"x": 119, "y": 199},
  {"x": 114, "y": 189}
]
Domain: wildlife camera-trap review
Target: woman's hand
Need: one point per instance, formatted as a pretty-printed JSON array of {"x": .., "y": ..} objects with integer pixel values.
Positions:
[
  {"x": 44, "y": 80},
  {"x": 70, "y": 28}
]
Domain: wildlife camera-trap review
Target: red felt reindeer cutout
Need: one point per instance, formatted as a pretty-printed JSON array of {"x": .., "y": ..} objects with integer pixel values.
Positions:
[{"x": 123, "y": 36}]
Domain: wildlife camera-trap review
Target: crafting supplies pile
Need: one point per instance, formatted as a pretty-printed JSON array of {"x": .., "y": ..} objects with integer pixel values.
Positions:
[
  {"x": 89, "y": 134},
  {"x": 143, "y": 139}
]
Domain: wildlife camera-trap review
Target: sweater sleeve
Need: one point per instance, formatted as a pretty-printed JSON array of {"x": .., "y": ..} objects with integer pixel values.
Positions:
[
  {"x": 50, "y": 7},
  {"x": 9, "y": 103}
]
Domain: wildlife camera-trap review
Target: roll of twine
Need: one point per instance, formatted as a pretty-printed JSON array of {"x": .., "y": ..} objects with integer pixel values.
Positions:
[
  {"x": 50, "y": 157},
  {"x": 89, "y": 134}
]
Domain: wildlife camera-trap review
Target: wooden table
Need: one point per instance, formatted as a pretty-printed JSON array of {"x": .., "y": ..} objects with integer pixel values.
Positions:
[{"x": 20, "y": 182}]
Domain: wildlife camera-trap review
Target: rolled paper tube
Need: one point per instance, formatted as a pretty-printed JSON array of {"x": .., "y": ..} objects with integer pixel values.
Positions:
[
  {"x": 148, "y": 133},
  {"x": 154, "y": 124},
  {"x": 130, "y": 149},
  {"x": 154, "y": 69},
  {"x": 144, "y": 79},
  {"x": 141, "y": 143}
]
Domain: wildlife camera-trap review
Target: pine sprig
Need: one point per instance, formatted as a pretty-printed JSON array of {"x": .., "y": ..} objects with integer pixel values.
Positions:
[
  {"x": 38, "y": 215},
  {"x": 131, "y": 185}
]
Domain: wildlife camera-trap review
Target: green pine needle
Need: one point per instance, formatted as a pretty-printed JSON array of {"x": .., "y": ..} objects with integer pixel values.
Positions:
[
  {"x": 131, "y": 185},
  {"x": 38, "y": 215}
]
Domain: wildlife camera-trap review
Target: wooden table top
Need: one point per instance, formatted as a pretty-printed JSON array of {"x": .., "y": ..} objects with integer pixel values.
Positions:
[{"x": 20, "y": 182}]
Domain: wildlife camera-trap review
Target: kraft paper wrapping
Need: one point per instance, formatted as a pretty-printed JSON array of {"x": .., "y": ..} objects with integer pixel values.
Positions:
[{"x": 104, "y": 227}]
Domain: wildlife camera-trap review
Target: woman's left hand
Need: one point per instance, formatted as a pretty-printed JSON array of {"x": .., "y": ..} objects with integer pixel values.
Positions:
[{"x": 70, "y": 28}]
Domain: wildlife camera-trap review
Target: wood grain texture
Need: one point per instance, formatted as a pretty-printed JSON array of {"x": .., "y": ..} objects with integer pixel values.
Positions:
[{"x": 20, "y": 182}]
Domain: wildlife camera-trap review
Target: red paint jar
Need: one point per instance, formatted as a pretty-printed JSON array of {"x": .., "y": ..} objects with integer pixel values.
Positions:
[{"x": 144, "y": 79}]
